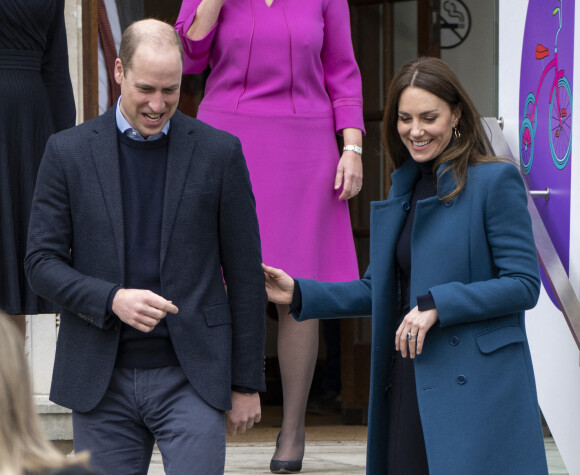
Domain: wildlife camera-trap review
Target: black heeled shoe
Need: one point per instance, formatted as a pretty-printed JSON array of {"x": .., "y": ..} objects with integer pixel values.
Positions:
[{"x": 284, "y": 466}]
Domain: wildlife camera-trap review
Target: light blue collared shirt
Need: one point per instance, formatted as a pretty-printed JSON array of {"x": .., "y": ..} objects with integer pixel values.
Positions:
[{"x": 130, "y": 132}]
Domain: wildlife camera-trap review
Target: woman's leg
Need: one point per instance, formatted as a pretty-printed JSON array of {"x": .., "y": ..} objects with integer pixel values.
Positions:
[{"x": 297, "y": 353}]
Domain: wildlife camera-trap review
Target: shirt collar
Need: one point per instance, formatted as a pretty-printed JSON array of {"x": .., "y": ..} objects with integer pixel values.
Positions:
[{"x": 125, "y": 128}]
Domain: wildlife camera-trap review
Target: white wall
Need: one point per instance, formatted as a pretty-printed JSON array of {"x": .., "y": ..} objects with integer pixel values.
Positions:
[{"x": 554, "y": 352}]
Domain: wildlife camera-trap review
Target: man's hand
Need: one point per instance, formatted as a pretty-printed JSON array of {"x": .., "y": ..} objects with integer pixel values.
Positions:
[
  {"x": 245, "y": 413},
  {"x": 142, "y": 309}
]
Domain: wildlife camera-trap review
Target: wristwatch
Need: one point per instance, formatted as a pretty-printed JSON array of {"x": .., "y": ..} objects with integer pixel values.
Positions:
[{"x": 353, "y": 148}]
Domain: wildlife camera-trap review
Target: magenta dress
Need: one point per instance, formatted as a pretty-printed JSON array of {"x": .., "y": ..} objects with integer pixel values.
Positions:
[{"x": 284, "y": 80}]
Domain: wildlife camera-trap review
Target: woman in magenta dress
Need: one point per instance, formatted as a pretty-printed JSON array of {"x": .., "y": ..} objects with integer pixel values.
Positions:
[{"x": 284, "y": 80}]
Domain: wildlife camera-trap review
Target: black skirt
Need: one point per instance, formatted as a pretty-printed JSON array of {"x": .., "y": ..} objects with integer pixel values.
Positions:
[{"x": 406, "y": 446}]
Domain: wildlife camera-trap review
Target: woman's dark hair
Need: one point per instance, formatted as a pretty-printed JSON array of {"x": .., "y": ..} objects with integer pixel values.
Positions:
[{"x": 436, "y": 77}]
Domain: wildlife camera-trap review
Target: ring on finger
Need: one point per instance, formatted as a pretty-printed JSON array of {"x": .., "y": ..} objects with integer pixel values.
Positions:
[{"x": 410, "y": 336}]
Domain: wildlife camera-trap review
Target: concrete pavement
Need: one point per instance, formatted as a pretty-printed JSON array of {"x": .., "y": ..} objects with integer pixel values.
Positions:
[
  {"x": 331, "y": 458},
  {"x": 321, "y": 457}
]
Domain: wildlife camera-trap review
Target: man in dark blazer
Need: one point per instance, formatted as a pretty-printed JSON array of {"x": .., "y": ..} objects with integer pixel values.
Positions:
[{"x": 139, "y": 218}]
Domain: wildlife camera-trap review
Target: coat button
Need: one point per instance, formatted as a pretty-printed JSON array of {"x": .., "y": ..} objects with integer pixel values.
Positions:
[
  {"x": 405, "y": 205},
  {"x": 454, "y": 341},
  {"x": 448, "y": 203},
  {"x": 461, "y": 379}
]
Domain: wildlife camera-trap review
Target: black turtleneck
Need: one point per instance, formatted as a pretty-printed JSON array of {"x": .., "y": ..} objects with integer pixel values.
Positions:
[{"x": 424, "y": 188}]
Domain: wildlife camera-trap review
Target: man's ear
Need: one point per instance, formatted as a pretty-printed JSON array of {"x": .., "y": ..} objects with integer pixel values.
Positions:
[{"x": 119, "y": 74}]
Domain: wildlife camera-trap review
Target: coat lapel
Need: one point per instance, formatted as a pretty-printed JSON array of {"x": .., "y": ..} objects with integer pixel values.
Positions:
[
  {"x": 105, "y": 151},
  {"x": 403, "y": 179},
  {"x": 179, "y": 158}
]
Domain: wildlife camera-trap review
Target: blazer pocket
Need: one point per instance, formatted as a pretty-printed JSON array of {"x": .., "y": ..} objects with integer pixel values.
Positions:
[
  {"x": 492, "y": 340},
  {"x": 217, "y": 314}
]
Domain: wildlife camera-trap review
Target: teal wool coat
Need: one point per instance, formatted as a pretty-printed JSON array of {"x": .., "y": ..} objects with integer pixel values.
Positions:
[{"x": 475, "y": 382}]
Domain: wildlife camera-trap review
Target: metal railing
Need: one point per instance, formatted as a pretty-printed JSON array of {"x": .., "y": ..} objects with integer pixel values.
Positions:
[{"x": 549, "y": 260}]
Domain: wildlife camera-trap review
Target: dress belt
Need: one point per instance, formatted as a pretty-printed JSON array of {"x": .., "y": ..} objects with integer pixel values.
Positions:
[{"x": 18, "y": 59}]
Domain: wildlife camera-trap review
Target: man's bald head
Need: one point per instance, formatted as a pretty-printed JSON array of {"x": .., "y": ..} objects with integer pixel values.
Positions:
[{"x": 150, "y": 32}]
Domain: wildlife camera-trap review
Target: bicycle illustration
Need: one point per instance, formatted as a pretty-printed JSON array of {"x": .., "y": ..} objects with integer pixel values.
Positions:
[{"x": 560, "y": 111}]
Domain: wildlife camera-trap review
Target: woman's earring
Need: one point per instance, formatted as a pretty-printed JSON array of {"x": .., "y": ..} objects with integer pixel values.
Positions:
[{"x": 456, "y": 133}]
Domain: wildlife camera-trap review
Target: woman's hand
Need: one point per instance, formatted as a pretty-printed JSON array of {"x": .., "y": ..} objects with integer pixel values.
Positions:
[
  {"x": 279, "y": 285},
  {"x": 416, "y": 323},
  {"x": 349, "y": 173}
]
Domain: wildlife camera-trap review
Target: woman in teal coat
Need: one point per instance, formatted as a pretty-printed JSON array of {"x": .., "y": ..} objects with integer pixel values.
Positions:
[{"x": 452, "y": 268}]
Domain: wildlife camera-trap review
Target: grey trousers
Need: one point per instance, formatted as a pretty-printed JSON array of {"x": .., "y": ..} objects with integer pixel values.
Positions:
[{"x": 142, "y": 406}]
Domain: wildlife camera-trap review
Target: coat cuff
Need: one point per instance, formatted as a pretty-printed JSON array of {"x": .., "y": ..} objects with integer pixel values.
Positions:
[
  {"x": 296, "y": 304},
  {"x": 348, "y": 113},
  {"x": 425, "y": 302}
]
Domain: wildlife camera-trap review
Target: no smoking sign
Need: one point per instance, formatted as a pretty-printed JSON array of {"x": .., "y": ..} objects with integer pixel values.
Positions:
[{"x": 455, "y": 23}]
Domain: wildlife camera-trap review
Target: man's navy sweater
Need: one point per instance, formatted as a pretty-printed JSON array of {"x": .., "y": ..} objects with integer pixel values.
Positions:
[{"x": 143, "y": 166}]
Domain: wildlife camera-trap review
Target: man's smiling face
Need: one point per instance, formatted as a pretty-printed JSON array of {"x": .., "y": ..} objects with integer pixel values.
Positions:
[{"x": 150, "y": 88}]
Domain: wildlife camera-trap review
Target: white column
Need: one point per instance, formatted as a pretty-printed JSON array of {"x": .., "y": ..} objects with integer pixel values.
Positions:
[{"x": 74, "y": 33}]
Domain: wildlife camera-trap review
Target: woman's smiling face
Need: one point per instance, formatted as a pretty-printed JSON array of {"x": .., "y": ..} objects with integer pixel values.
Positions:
[{"x": 425, "y": 123}]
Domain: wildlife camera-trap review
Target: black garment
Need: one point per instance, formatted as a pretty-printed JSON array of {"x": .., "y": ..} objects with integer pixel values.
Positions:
[
  {"x": 331, "y": 377},
  {"x": 143, "y": 166},
  {"x": 36, "y": 99},
  {"x": 424, "y": 188},
  {"x": 406, "y": 444},
  {"x": 406, "y": 453}
]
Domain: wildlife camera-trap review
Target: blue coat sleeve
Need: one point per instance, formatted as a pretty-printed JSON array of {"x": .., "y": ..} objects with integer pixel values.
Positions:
[
  {"x": 509, "y": 236},
  {"x": 335, "y": 299}
]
